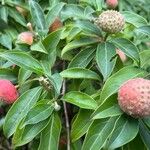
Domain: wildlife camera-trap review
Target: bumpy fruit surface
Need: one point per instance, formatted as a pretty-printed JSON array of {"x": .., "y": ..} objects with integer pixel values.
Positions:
[
  {"x": 122, "y": 55},
  {"x": 110, "y": 21},
  {"x": 134, "y": 97},
  {"x": 112, "y": 3},
  {"x": 8, "y": 92},
  {"x": 56, "y": 25},
  {"x": 25, "y": 38}
]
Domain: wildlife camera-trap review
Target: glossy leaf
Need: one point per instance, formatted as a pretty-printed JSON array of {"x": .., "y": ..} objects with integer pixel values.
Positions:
[
  {"x": 104, "y": 54},
  {"x": 23, "y": 60},
  {"x": 89, "y": 27},
  {"x": 39, "y": 47},
  {"x": 53, "y": 13},
  {"x": 145, "y": 134},
  {"x": 17, "y": 16},
  {"x": 127, "y": 47},
  {"x": 134, "y": 19},
  {"x": 116, "y": 80},
  {"x": 20, "y": 109},
  {"x": 109, "y": 112},
  {"x": 52, "y": 40},
  {"x": 6, "y": 41},
  {"x": 23, "y": 75},
  {"x": 144, "y": 30},
  {"x": 78, "y": 73},
  {"x": 126, "y": 129},
  {"x": 81, "y": 124},
  {"x": 37, "y": 114},
  {"x": 98, "y": 134},
  {"x": 37, "y": 15},
  {"x": 144, "y": 58},
  {"x": 7, "y": 74},
  {"x": 80, "y": 99},
  {"x": 49, "y": 139},
  {"x": 83, "y": 58},
  {"x": 27, "y": 134},
  {"x": 78, "y": 43}
]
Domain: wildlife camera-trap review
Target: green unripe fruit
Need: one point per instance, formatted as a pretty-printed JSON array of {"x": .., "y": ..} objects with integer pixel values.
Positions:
[{"x": 110, "y": 21}]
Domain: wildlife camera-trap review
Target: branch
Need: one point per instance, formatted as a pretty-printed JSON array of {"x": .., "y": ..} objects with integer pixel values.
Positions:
[{"x": 66, "y": 117}]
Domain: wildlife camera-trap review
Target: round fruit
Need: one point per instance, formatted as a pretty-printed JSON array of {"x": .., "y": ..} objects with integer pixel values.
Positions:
[
  {"x": 112, "y": 3},
  {"x": 134, "y": 97},
  {"x": 25, "y": 38},
  {"x": 110, "y": 21},
  {"x": 8, "y": 92},
  {"x": 56, "y": 25}
]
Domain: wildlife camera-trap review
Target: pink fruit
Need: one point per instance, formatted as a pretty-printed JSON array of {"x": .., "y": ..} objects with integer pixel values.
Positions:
[
  {"x": 25, "y": 38},
  {"x": 112, "y": 3},
  {"x": 22, "y": 11},
  {"x": 134, "y": 97},
  {"x": 8, "y": 92},
  {"x": 121, "y": 54},
  {"x": 57, "y": 24}
]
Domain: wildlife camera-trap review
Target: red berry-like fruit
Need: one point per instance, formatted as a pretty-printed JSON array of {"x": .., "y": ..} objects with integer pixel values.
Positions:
[
  {"x": 8, "y": 92},
  {"x": 25, "y": 38},
  {"x": 112, "y": 3},
  {"x": 56, "y": 25},
  {"x": 134, "y": 97},
  {"x": 122, "y": 55}
]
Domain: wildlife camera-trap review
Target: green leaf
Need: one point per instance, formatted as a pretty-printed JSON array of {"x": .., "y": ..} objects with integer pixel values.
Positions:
[
  {"x": 6, "y": 41},
  {"x": 127, "y": 47},
  {"x": 78, "y": 73},
  {"x": 80, "y": 99},
  {"x": 125, "y": 130},
  {"x": 23, "y": 60},
  {"x": 98, "y": 134},
  {"x": 49, "y": 139},
  {"x": 53, "y": 13},
  {"x": 7, "y": 74},
  {"x": 134, "y": 19},
  {"x": 88, "y": 27},
  {"x": 144, "y": 58},
  {"x": 145, "y": 134},
  {"x": 23, "y": 75},
  {"x": 37, "y": 15},
  {"x": 17, "y": 16},
  {"x": 39, "y": 47},
  {"x": 81, "y": 124},
  {"x": 75, "y": 11},
  {"x": 146, "y": 120},
  {"x": 27, "y": 134},
  {"x": 109, "y": 108},
  {"x": 105, "y": 53},
  {"x": 144, "y": 30},
  {"x": 52, "y": 40},
  {"x": 20, "y": 109},
  {"x": 78, "y": 43},
  {"x": 37, "y": 114},
  {"x": 116, "y": 80},
  {"x": 56, "y": 81},
  {"x": 83, "y": 58}
]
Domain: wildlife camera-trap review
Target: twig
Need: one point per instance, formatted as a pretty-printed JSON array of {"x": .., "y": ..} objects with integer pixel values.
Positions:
[{"x": 66, "y": 117}]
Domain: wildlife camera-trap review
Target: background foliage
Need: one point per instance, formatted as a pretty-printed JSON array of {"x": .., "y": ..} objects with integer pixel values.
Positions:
[{"x": 83, "y": 70}]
